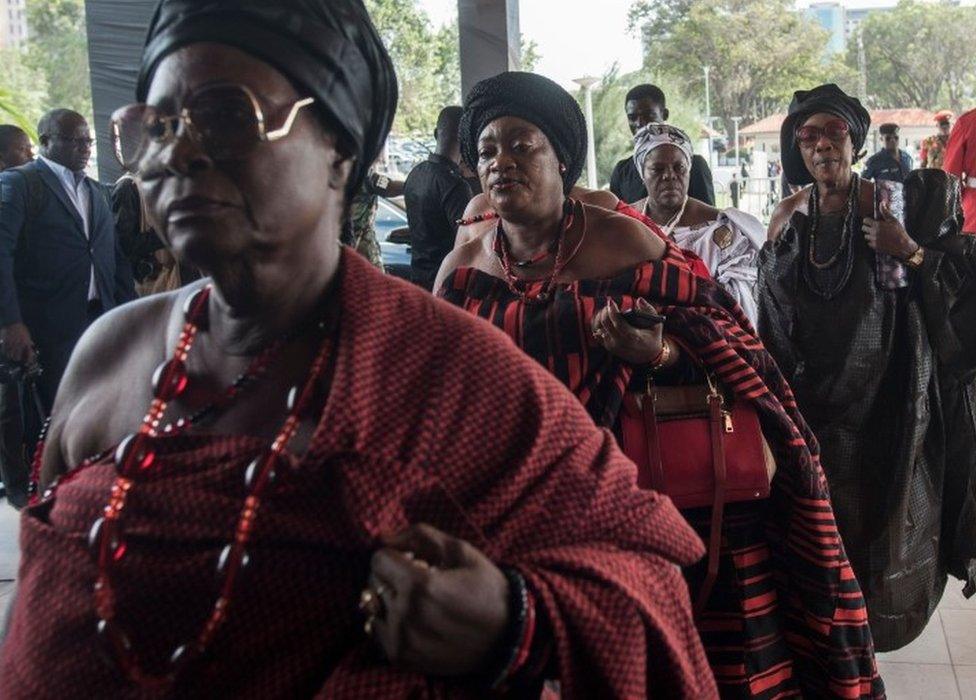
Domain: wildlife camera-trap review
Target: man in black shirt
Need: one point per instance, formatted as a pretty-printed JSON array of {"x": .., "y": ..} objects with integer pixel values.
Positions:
[
  {"x": 646, "y": 104},
  {"x": 436, "y": 195},
  {"x": 890, "y": 163}
]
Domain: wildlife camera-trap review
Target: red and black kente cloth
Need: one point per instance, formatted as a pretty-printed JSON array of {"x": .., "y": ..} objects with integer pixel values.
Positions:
[
  {"x": 432, "y": 417},
  {"x": 787, "y": 617}
]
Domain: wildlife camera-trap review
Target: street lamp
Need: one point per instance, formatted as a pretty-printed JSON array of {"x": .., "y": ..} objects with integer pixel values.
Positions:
[
  {"x": 708, "y": 97},
  {"x": 708, "y": 111},
  {"x": 587, "y": 83}
]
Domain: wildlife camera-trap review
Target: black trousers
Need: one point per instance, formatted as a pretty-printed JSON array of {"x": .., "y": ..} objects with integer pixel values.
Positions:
[
  {"x": 54, "y": 360},
  {"x": 20, "y": 424},
  {"x": 14, "y": 468}
]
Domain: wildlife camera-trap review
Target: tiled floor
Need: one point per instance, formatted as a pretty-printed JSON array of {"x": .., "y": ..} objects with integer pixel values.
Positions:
[
  {"x": 939, "y": 665},
  {"x": 9, "y": 555}
]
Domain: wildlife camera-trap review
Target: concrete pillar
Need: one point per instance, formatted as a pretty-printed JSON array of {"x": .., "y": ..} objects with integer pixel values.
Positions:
[
  {"x": 116, "y": 32},
  {"x": 490, "y": 41}
]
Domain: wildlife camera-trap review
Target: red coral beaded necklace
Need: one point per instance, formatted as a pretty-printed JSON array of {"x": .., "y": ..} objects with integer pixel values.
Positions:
[
  {"x": 522, "y": 287},
  {"x": 135, "y": 457}
]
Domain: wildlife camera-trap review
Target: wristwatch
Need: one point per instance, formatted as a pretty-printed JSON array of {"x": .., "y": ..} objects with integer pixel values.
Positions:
[{"x": 916, "y": 259}]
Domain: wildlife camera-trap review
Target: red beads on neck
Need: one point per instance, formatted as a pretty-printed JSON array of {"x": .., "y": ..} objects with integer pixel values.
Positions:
[
  {"x": 136, "y": 456},
  {"x": 170, "y": 380}
]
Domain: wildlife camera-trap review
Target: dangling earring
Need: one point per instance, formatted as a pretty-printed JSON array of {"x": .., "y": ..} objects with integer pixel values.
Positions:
[{"x": 562, "y": 168}]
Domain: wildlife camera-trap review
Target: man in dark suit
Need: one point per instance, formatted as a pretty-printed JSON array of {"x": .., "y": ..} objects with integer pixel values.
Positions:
[
  {"x": 60, "y": 265},
  {"x": 646, "y": 104},
  {"x": 15, "y": 150}
]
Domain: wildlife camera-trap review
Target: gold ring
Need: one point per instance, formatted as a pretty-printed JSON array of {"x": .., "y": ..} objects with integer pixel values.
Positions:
[{"x": 371, "y": 601}]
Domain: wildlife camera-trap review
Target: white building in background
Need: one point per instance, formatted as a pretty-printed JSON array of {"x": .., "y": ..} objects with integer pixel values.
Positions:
[
  {"x": 914, "y": 125},
  {"x": 842, "y": 18},
  {"x": 13, "y": 23}
]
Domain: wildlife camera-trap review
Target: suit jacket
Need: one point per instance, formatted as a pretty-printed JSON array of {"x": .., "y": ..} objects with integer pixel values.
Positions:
[{"x": 46, "y": 260}]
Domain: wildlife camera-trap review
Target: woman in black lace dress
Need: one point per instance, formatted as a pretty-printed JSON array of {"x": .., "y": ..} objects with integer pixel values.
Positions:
[{"x": 872, "y": 322}]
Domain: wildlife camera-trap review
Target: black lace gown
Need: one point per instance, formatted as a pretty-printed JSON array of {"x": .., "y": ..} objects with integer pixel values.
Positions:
[{"x": 886, "y": 380}]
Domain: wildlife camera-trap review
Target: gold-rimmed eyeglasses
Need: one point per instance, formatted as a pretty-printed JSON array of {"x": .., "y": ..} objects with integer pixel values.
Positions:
[{"x": 226, "y": 120}]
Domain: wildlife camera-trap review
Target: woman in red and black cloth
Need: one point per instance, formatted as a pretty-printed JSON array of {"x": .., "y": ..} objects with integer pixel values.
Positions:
[{"x": 786, "y": 617}]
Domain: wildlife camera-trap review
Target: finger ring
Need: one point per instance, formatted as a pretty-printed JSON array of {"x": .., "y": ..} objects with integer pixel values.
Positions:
[{"x": 371, "y": 601}]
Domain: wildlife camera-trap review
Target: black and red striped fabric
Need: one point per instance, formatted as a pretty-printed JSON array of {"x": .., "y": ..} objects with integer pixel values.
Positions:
[
  {"x": 787, "y": 617},
  {"x": 462, "y": 432}
]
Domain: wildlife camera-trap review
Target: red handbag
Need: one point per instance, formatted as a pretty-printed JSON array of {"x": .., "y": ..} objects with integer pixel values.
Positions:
[{"x": 700, "y": 449}]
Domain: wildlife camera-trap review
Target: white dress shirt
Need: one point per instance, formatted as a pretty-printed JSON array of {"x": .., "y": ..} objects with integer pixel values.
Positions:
[{"x": 80, "y": 197}]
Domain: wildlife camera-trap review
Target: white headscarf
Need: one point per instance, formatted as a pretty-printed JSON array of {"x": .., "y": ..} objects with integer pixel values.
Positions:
[{"x": 656, "y": 134}]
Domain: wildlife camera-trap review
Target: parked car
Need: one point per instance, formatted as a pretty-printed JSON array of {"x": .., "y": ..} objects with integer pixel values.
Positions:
[{"x": 393, "y": 236}]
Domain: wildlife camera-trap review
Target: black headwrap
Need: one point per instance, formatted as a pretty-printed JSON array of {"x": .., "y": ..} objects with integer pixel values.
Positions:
[
  {"x": 829, "y": 99},
  {"x": 328, "y": 48},
  {"x": 535, "y": 99}
]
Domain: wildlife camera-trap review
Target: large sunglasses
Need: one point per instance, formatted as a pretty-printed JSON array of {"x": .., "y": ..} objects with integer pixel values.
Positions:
[
  {"x": 836, "y": 130},
  {"x": 224, "y": 119}
]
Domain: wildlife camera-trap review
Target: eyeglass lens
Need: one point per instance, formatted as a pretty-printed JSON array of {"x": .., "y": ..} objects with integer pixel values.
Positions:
[
  {"x": 221, "y": 119},
  {"x": 835, "y": 131}
]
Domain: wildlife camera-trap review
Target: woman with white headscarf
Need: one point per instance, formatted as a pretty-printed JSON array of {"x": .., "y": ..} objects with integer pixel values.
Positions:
[{"x": 727, "y": 240}]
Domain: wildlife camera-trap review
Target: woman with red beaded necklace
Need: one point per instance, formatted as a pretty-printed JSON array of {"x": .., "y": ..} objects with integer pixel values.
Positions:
[
  {"x": 305, "y": 509},
  {"x": 557, "y": 275}
]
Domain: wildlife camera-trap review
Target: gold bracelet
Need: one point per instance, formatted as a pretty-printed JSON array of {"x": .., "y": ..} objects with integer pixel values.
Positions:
[
  {"x": 664, "y": 357},
  {"x": 916, "y": 259}
]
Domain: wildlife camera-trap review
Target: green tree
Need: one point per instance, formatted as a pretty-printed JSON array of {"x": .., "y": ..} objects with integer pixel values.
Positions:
[
  {"x": 919, "y": 55},
  {"x": 759, "y": 52},
  {"x": 427, "y": 61},
  {"x": 23, "y": 95},
  {"x": 410, "y": 39},
  {"x": 58, "y": 49}
]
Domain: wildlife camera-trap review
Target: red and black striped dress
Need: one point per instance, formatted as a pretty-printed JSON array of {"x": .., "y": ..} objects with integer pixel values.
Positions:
[{"x": 787, "y": 618}]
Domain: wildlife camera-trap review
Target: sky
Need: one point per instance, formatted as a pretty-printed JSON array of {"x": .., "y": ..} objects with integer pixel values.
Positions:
[{"x": 584, "y": 37}]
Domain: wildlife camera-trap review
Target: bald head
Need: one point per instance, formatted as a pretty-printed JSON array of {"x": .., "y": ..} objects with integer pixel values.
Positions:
[
  {"x": 65, "y": 139},
  {"x": 448, "y": 133}
]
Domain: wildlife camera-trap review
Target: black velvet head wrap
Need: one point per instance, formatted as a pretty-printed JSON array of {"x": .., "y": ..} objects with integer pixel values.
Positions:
[
  {"x": 535, "y": 99},
  {"x": 829, "y": 99},
  {"x": 328, "y": 48}
]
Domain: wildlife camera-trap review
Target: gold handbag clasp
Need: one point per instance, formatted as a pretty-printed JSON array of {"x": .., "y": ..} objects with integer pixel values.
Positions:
[{"x": 713, "y": 393}]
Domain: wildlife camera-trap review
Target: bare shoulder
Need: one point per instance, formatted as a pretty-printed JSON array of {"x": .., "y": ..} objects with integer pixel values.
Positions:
[
  {"x": 597, "y": 198},
  {"x": 126, "y": 342},
  {"x": 121, "y": 331},
  {"x": 478, "y": 205},
  {"x": 471, "y": 232},
  {"x": 784, "y": 212},
  {"x": 632, "y": 241},
  {"x": 699, "y": 211},
  {"x": 468, "y": 254}
]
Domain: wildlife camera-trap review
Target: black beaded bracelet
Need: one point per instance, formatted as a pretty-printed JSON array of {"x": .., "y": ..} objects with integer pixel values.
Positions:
[{"x": 508, "y": 651}]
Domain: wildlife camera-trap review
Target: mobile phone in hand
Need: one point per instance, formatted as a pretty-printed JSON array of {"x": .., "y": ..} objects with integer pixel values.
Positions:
[{"x": 645, "y": 320}]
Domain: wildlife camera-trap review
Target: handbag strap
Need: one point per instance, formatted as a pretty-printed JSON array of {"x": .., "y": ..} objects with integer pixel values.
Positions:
[
  {"x": 654, "y": 462},
  {"x": 717, "y": 430},
  {"x": 716, "y": 421}
]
